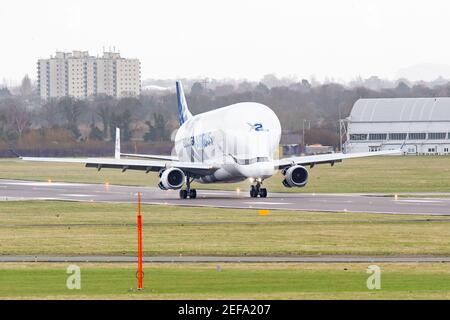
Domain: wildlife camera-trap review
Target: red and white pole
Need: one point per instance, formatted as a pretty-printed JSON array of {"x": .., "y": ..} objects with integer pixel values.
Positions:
[{"x": 139, "y": 230}]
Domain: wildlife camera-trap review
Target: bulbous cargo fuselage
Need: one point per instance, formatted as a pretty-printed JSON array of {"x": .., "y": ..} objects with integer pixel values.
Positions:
[{"x": 242, "y": 139}]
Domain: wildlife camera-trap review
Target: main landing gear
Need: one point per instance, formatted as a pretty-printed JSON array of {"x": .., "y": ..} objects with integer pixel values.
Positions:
[
  {"x": 188, "y": 192},
  {"x": 256, "y": 191}
]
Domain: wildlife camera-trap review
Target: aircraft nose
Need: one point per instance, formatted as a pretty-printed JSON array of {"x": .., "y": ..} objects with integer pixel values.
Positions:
[{"x": 258, "y": 170}]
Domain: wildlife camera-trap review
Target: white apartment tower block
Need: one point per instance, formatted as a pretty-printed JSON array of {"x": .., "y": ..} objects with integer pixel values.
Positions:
[{"x": 79, "y": 75}]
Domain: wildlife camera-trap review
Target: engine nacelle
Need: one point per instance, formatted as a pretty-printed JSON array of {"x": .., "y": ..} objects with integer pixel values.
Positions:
[
  {"x": 172, "y": 178},
  {"x": 295, "y": 176}
]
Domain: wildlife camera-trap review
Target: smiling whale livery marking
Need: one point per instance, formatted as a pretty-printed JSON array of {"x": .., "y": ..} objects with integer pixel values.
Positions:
[{"x": 229, "y": 144}]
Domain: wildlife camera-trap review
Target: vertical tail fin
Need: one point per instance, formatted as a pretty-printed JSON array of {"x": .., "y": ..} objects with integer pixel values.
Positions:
[
  {"x": 117, "y": 149},
  {"x": 183, "y": 111}
]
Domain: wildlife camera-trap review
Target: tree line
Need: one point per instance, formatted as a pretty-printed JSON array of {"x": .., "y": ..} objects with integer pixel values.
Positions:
[{"x": 151, "y": 118}]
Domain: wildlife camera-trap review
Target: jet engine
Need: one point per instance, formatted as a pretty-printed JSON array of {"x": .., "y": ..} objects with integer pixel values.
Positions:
[
  {"x": 295, "y": 176},
  {"x": 172, "y": 178}
]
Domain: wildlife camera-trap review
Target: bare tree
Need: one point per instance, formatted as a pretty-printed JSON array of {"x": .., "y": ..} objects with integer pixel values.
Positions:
[
  {"x": 26, "y": 87},
  {"x": 104, "y": 112},
  {"x": 50, "y": 113},
  {"x": 72, "y": 109},
  {"x": 18, "y": 117}
]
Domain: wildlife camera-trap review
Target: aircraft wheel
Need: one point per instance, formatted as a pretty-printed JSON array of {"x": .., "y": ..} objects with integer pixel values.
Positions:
[
  {"x": 263, "y": 192},
  {"x": 183, "y": 194},
  {"x": 193, "y": 194},
  {"x": 253, "y": 192}
]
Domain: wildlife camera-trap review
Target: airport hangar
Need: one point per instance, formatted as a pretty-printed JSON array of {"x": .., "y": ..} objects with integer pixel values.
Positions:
[{"x": 421, "y": 124}]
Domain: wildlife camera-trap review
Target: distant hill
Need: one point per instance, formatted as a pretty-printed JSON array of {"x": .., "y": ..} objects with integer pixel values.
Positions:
[{"x": 429, "y": 72}]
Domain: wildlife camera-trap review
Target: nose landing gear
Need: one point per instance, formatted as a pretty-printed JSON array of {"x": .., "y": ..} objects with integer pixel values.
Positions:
[{"x": 256, "y": 191}]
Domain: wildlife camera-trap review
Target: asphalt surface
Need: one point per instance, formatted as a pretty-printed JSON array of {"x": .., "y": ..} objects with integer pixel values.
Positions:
[
  {"x": 214, "y": 259},
  {"x": 427, "y": 204}
]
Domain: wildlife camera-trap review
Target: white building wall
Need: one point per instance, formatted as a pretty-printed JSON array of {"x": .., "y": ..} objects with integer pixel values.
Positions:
[
  {"x": 43, "y": 78},
  {"x": 56, "y": 84},
  {"x": 106, "y": 77},
  {"x": 76, "y": 79},
  {"x": 82, "y": 76},
  {"x": 91, "y": 77},
  {"x": 128, "y": 79}
]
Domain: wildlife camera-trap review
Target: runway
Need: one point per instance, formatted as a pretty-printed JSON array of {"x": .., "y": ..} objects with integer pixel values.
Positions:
[
  {"x": 215, "y": 259},
  {"x": 426, "y": 204}
]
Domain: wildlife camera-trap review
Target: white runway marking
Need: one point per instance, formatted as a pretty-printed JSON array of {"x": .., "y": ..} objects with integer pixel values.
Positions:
[
  {"x": 269, "y": 203},
  {"x": 213, "y": 193},
  {"x": 419, "y": 201},
  {"x": 26, "y": 198},
  {"x": 77, "y": 195},
  {"x": 333, "y": 200},
  {"x": 43, "y": 184}
]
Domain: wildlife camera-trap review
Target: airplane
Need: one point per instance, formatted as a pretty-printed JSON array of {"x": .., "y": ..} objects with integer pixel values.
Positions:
[{"x": 229, "y": 144}]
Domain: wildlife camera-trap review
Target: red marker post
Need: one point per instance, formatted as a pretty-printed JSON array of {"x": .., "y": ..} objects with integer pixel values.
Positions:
[{"x": 139, "y": 230}]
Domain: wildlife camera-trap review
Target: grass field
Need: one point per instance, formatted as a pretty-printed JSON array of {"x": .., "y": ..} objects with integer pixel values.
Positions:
[
  {"x": 378, "y": 174},
  {"x": 234, "y": 281},
  {"x": 72, "y": 228}
]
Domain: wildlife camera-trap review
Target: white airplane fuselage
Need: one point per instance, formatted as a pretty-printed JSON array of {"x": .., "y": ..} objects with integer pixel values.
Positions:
[{"x": 241, "y": 139}]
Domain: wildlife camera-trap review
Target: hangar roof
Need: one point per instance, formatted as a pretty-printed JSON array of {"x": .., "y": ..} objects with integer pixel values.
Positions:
[{"x": 401, "y": 109}]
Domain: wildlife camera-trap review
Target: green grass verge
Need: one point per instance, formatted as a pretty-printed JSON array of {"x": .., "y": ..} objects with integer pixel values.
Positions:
[
  {"x": 234, "y": 281},
  {"x": 72, "y": 228},
  {"x": 378, "y": 174}
]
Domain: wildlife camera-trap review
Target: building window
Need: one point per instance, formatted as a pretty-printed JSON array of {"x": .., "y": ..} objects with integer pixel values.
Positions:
[
  {"x": 417, "y": 136},
  {"x": 377, "y": 136},
  {"x": 358, "y": 137},
  {"x": 436, "y": 135},
  {"x": 397, "y": 136},
  {"x": 445, "y": 149},
  {"x": 431, "y": 150}
]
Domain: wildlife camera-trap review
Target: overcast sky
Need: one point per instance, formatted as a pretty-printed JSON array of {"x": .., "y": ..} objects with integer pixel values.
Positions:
[{"x": 232, "y": 38}]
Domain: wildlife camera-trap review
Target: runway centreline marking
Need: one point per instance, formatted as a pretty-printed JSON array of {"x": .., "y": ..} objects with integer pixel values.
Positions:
[
  {"x": 267, "y": 202},
  {"x": 78, "y": 195},
  {"x": 215, "y": 193}
]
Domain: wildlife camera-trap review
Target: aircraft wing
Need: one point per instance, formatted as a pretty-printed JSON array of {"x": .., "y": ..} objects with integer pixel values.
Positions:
[
  {"x": 196, "y": 169},
  {"x": 150, "y": 156},
  {"x": 329, "y": 158}
]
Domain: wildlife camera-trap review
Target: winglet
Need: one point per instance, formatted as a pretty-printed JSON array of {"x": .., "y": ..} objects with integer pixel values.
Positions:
[
  {"x": 117, "y": 148},
  {"x": 183, "y": 111}
]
